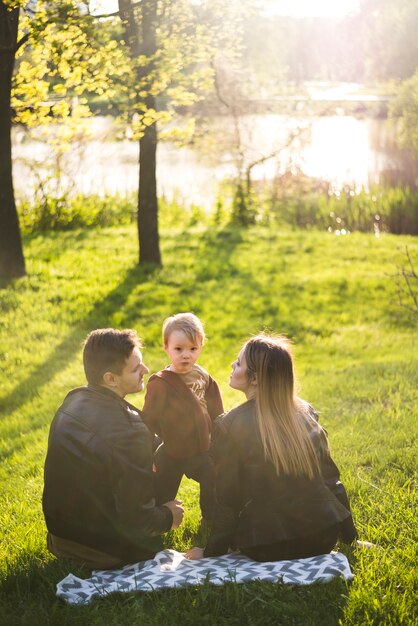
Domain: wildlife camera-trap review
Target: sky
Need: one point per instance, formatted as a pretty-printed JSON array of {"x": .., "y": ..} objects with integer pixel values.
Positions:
[{"x": 296, "y": 8}]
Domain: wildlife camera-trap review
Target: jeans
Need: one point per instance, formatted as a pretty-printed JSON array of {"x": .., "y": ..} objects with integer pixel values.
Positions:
[{"x": 170, "y": 471}]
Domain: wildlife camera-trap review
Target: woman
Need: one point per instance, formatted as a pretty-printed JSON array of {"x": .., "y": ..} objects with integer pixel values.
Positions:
[{"x": 278, "y": 493}]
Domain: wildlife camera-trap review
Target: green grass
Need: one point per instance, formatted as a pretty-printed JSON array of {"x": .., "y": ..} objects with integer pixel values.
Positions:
[{"x": 357, "y": 358}]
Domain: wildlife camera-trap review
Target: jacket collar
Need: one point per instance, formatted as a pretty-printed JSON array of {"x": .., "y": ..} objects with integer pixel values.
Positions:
[{"x": 104, "y": 391}]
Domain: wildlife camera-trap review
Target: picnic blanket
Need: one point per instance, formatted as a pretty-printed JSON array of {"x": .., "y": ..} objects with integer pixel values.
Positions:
[{"x": 171, "y": 569}]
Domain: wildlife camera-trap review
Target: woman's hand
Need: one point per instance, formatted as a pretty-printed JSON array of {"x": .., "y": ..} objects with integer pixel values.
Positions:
[{"x": 194, "y": 554}]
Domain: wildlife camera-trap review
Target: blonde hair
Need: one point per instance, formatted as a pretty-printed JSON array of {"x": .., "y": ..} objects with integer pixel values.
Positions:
[
  {"x": 186, "y": 322},
  {"x": 283, "y": 419}
]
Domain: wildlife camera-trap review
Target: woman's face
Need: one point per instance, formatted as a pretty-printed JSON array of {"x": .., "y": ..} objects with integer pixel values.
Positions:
[{"x": 239, "y": 376}]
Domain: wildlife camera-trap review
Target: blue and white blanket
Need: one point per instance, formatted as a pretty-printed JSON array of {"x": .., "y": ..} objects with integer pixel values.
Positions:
[{"x": 171, "y": 569}]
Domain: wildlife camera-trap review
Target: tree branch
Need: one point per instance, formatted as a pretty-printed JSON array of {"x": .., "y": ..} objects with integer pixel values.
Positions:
[
  {"x": 262, "y": 159},
  {"x": 407, "y": 296},
  {"x": 22, "y": 41},
  {"x": 217, "y": 86},
  {"x": 414, "y": 274},
  {"x": 409, "y": 288}
]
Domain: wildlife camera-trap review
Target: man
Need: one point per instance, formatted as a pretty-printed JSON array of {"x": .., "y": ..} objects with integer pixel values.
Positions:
[{"x": 98, "y": 498}]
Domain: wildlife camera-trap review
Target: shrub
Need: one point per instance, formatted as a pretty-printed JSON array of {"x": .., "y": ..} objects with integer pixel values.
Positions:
[
  {"x": 300, "y": 203},
  {"x": 65, "y": 213}
]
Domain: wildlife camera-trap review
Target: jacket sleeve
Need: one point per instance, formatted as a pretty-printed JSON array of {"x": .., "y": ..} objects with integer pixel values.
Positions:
[
  {"x": 154, "y": 405},
  {"x": 227, "y": 490},
  {"x": 130, "y": 465},
  {"x": 331, "y": 476},
  {"x": 329, "y": 470},
  {"x": 213, "y": 399}
]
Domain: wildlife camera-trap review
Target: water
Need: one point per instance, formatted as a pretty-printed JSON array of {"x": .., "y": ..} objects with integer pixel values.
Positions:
[{"x": 339, "y": 148}]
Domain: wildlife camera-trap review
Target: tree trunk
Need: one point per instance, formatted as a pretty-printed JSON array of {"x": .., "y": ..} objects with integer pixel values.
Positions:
[
  {"x": 149, "y": 242},
  {"x": 12, "y": 264}
]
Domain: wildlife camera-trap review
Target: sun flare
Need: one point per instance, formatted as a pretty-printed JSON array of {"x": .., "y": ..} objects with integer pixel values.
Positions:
[{"x": 312, "y": 8}]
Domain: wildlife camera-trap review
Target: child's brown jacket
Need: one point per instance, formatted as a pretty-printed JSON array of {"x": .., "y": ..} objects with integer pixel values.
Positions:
[{"x": 173, "y": 412}]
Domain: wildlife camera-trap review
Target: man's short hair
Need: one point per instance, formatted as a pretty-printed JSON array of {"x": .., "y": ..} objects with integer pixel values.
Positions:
[
  {"x": 186, "y": 322},
  {"x": 107, "y": 350}
]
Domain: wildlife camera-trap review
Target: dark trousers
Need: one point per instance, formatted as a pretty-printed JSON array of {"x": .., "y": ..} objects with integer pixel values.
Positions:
[
  {"x": 312, "y": 545},
  {"x": 170, "y": 471}
]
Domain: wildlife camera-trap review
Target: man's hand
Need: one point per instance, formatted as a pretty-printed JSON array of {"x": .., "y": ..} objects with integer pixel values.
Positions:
[
  {"x": 176, "y": 510},
  {"x": 194, "y": 554}
]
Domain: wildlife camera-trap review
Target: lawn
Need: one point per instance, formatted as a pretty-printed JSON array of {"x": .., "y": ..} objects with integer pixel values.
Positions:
[{"x": 357, "y": 359}]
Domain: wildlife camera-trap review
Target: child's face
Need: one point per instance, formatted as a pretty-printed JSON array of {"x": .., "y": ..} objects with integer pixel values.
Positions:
[{"x": 182, "y": 352}]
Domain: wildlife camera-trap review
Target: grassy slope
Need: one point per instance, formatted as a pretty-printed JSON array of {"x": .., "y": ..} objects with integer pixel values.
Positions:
[{"x": 357, "y": 359}]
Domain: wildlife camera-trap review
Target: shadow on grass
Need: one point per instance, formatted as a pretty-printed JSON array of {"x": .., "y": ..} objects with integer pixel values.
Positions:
[
  {"x": 55, "y": 244},
  {"x": 97, "y": 318},
  {"x": 235, "y": 284},
  {"x": 28, "y": 589},
  {"x": 211, "y": 252}
]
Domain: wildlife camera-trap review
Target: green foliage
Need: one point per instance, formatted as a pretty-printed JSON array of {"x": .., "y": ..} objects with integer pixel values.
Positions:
[
  {"x": 176, "y": 71},
  {"x": 392, "y": 209},
  {"x": 72, "y": 54},
  {"x": 375, "y": 41},
  {"x": 219, "y": 215},
  {"x": 405, "y": 108},
  {"x": 356, "y": 355},
  {"x": 389, "y": 35},
  {"x": 68, "y": 213},
  {"x": 242, "y": 212},
  {"x": 69, "y": 56}
]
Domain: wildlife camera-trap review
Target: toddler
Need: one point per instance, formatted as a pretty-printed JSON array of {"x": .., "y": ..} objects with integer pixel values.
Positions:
[{"x": 181, "y": 402}]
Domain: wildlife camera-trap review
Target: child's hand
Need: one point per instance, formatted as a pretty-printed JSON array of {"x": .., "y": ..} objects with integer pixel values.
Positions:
[{"x": 194, "y": 554}]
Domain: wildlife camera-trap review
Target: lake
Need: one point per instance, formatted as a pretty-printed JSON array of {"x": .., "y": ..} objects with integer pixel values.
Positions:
[{"x": 339, "y": 148}]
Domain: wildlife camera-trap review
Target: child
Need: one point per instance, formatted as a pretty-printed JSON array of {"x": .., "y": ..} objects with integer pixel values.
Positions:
[{"x": 181, "y": 402}]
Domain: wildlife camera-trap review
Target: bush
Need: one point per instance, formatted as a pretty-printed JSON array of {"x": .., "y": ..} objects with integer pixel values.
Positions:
[
  {"x": 300, "y": 203},
  {"x": 242, "y": 212},
  {"x": 306, "y": 204},
  {"x": 80, "y": 211}
]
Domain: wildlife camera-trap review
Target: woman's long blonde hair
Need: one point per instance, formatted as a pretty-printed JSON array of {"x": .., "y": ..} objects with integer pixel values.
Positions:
[{"x": 283, "y": 419}]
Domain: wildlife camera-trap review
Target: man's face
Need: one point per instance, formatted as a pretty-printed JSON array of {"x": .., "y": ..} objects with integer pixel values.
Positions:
[
  {"x": 131, "y": 379},
  {"x": 182, "y": 352}
]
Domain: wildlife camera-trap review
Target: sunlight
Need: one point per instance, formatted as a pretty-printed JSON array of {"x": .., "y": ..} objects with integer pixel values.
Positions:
[
  {"x": 294, "y": 8},
  {"x": 103, "y": 6},
  {"x": 311, "y": 8}
]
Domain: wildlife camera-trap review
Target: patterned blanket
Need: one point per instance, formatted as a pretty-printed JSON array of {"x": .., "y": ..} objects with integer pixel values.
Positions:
[{"x": 170, "y": 569}]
